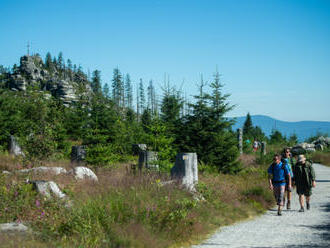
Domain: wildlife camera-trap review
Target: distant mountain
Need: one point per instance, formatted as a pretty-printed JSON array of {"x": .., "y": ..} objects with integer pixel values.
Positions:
[{"x": 303, "y": 129}]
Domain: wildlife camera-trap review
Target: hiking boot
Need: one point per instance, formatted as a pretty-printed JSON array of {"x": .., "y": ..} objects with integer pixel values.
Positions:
[
  {"x": 279, "y": 212},
  {"x": 288, "y": 205},
  {"x": 302, "y": 209},
  {"x": 308, "y": 206}
]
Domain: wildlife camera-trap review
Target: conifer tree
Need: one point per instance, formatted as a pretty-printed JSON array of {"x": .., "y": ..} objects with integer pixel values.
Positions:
[
  {"x": 48, "y": 61},
  {"x": 60, "y": 61},
  {"x": 247, "y": 127},
  {"x": 128, "y": 92},
  {"x": 142, "y": 97},
  {"x": 117, "y": 87},
  {"x": 207, "y": 132},
  {"x": 106, "y": 90},
  {"x": 96, "y": 81}
]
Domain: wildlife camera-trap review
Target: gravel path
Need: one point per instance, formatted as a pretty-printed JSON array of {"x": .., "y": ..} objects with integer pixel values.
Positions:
[{"x": 292, "y": 229}]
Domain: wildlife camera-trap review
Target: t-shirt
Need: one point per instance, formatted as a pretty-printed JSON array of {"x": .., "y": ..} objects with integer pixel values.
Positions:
[
  {"x": 279, "y": 173},
  {"x": 288, "y": 161}
]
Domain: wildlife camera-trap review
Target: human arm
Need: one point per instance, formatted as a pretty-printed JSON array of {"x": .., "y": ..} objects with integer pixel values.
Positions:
[
  {"x": 313, "y": 176},
  {"x": 270, "y": 176}
]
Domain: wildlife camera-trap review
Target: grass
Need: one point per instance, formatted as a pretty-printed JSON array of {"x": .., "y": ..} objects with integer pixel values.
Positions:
[
  {"x": 322, "y": 157},
  {"x": 128, "y": 209}
]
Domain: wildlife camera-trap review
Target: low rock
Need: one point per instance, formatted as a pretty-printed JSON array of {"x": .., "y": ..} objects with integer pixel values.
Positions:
[
  {"x": 82, "y": 172},
  {"x": 310, "y": 149},
  {"x": 44, "y": 169},
  {"x": 319, "y": 147},
  {"x": 47, "y": 188},
  {"x": 13, "y": 227}
]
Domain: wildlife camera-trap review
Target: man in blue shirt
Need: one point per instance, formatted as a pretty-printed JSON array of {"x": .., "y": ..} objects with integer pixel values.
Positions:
[{"x": 278, "y": 173}]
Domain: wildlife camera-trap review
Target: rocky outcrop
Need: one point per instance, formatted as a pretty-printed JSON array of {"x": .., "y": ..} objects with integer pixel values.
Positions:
[
  {"x": 318, "y": 144},
  {"x": 61, "y": 83}
]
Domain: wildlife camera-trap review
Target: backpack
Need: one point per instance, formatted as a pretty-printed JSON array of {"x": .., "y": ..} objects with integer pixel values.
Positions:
[{"x": 286, "y": 180}]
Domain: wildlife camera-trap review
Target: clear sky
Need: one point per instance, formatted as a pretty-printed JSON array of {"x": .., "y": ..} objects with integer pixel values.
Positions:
[{"x": 274, "y": 56}]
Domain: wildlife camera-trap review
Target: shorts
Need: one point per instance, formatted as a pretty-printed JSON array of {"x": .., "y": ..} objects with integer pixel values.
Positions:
[
  {"x": 279, "y": 194},
  {"x": 304, "y": 191}
]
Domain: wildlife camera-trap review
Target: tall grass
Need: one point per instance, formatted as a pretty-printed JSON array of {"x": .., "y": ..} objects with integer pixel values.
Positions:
[
  {"x": 132, "y": 210},
  {"x": 322, "y": 157}
]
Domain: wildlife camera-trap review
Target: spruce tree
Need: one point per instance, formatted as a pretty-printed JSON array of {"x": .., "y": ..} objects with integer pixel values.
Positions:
[
  {"x": 96, "y": 82},
  {"x": 247, "y": 127},
  {"x": 48, "y": 61},
  {"x": 142, "y": 97},
  {"x": 128, "y": 92},
  {"x": 207, "y": 132},
  {"x": 60, "y": 61},
  {"x": 106, "y": 90},
  {"x": 117, "y": 87}
]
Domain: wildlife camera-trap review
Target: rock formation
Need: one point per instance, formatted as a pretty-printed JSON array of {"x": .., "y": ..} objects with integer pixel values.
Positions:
[{"x": 60, "y": 83}]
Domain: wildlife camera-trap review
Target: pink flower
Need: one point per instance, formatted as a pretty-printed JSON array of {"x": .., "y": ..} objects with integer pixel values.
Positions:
[{"x": 37, "y": 203}]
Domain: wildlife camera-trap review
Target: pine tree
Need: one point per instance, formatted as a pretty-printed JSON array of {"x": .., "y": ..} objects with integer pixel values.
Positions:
[
  {"x": 248, "y": 127},
  {"x": 106, "y": 90},
  {"x": 60, "y": 61},
  {"x": 48, "y": 61},
  {"x": 96, "y": 82},
  {"x": 207, "y": 132},
  {"x": 128, "y": 92},
  {"x": 142, "y": 102},
  {"x": 117, "y": 87}
]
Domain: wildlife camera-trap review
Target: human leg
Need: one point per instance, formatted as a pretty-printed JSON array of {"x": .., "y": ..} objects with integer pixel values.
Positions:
[
  {"x": 279, "y": 196},
  {"x": 301, "y": 201},
  {"x": 288, "y": 205}
]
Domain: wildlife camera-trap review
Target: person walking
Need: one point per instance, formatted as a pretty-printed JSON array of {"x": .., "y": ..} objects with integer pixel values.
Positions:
[
  {"x": 278, "y": 172},
  {"x": 304, "y": 180},
  {"x": 290, "y": 161}
]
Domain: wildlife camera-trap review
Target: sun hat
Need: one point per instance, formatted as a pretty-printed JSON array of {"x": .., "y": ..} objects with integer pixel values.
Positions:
[{"x": 301, "y": 158}]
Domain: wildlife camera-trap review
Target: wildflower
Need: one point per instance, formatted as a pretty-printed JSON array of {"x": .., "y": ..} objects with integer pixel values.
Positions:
[{"x": 37, "y": 203}]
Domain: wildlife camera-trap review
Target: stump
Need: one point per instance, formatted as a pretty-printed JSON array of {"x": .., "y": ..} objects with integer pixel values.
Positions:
[
  {"x": 78, "y": 154},
  {"x": 14, "y": 147},
  {"x": 185, "y": 169},
  {"x": 148, "y": 159}
]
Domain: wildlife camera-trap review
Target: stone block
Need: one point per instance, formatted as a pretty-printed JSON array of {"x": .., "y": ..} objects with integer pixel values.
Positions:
[{"x": 186, "y": 169}]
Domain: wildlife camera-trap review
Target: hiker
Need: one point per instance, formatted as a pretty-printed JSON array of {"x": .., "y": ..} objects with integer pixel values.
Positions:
[
  {"x": 255, "y": 145},
  {"x": 278, "y": 172},
  {"x": 304, "y": 180},
  {"x": 290, "y": 161}
]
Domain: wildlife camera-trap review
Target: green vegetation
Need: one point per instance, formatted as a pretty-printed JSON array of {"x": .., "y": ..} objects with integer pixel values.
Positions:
[
  {"x": 129, "y": 210},
  {"x": 126, "y": 208},
  {"x": 322, "y": 157}
]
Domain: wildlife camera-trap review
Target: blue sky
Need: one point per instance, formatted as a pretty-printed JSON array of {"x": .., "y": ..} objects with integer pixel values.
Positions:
[{"x": 274, "y": 56}]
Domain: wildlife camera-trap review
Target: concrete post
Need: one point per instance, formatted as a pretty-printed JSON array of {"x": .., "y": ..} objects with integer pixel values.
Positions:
[
  {"x": 14, "y": 147},
  {"x": 186, "y": 169},
  {"x": 240, "y": 140},
  {"x": 263, "y": 148},
  {"x": 78, "y": 154},
  {"x": 148, "y": 159}
]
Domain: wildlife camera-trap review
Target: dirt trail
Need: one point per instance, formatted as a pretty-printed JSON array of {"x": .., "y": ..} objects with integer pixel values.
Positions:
[{"x": 293, "y": 229}]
